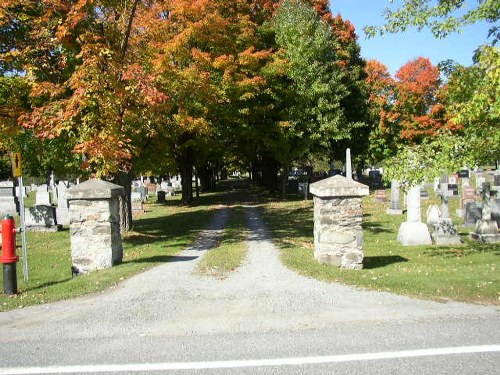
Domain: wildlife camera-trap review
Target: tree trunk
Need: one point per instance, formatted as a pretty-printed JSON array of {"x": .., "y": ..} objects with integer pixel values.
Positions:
[
  {"x": 196, "y": 183},
  {"x": 284, "y": 181},
  {"x": 186, "y": 169},
  {"x": 124, "y": 179}
]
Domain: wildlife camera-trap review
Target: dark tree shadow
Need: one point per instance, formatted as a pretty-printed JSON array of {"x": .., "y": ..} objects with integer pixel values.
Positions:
[
  {"x": 382, "y": 261},
  {"x": 376, "y": 227},
  {"x": 163, "y": 259}
]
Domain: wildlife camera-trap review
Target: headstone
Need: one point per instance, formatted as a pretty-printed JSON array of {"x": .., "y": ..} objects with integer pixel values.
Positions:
[
  {"x": 464, "y": 173},
  {"x": 465, "y": 182},
  {"x": 348, "y": 165},
  {"x": 8, "y": 201},
  {"x": 495, "y": 210},
  {"x": 338, "y": 214},
  {"x": 151, "y": 188},
  {"x": 486, "y": 229},
  {"x": 497, "y": 179},
  {"x": 424, "y": 194},
  {"x": 61, "y": 194},
  {"x": 375, "y": 178},
  {"x": 18, "y": 192},
  {"x": 433, "y": 214},
  {"x": 95, "y": 225},
  {"x": 380, "y": 196},
  {"x": 452, "y": 179},
  {"x": 473, "y": 213},
  {"x": 160, "y": 196},
  {"x": 480, "y": 180},
  {"x": 136, "y": 196},
  {"x": 62, "y": 216},
  {"x": 137, "y": 207},
  {"x": 42, "y": 198},
  {"x": 445, "y": 233},
  {"x": 395, "y": 207},
  {"x": 303, "y": 189},
  {"x": 453, "y": 188},
  {"x": 40, "y": 218},
  {"x": 468, "y": 195},
  {"x": 413, "y": 231},
  {"x": 144, "y": 193}
]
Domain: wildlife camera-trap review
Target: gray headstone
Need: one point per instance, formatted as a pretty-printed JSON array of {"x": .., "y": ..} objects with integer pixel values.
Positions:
[
  {"x": 8, "y": 200},
  {"x": 473, "y": 213},
  {"x": 40, "y": 218},
  {"x": 395, "y": 207}
]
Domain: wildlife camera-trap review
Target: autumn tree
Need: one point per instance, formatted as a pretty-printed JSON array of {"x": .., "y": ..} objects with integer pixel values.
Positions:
[
  {"x": 469, "y": 98},
  {"x": 86, "y": 88},
  {"x": 385, "y": 134}
]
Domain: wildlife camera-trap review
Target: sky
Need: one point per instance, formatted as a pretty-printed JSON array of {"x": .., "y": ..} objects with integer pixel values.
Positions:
[{"x": 395, "y": 50}]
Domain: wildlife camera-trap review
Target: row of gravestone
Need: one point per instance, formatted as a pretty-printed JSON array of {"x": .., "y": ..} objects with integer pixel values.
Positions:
[
  {"x": 440, "y": 221},
  {"x": 43, "y": 215}
]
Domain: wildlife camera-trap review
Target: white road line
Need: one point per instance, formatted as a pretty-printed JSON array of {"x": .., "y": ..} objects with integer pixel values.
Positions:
[{"x": 146, "y": 367}]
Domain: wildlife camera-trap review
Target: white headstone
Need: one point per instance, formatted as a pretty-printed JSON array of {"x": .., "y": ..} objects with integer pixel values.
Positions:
[
  {"x": 42, "y": 198},
  {"x": 61, "y": 194},
  {"x": 433, "y": 214},
  {"x": 348, "y": 165},
  {"x": 413, "y": 231}
]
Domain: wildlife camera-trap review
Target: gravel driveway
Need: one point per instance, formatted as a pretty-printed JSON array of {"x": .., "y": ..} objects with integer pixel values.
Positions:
[{"x": 262, "y": 295}]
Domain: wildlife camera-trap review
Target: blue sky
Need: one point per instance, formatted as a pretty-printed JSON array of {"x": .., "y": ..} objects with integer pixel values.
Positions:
[{"x": 394, "y": 50}]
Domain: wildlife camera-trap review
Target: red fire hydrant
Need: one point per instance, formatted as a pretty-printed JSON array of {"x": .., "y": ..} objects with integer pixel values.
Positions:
[{"x": 8, "y": 257}]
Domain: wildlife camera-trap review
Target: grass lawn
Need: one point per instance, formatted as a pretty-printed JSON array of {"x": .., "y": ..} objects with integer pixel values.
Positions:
[
  {"x": 231, "y": 251},
  {"x": 163, "y": 231},
  {"x": 466, "y": 272}
]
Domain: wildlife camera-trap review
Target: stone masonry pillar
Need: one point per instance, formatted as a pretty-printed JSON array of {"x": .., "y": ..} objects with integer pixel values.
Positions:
[
  {"x": 95, "y": 225},
  {"x": 338, "y": 214}
]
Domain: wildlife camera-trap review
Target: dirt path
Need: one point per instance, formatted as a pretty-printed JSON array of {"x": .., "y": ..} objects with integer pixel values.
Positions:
[{"x": 260, "y": 296}]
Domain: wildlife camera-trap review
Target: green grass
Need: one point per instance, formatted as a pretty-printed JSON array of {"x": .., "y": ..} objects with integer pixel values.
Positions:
[
  {"x": 230, "y": 253},
  {"x": 163, "y": 231},
  {"x": 468, "y": 272}
]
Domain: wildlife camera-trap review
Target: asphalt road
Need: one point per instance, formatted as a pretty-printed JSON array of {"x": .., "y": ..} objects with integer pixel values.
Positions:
[{"x": 263, "y": 319}]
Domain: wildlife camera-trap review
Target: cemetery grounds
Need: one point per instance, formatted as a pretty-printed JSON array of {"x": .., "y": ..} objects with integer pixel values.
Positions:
[{"x": 467, "y": 272}]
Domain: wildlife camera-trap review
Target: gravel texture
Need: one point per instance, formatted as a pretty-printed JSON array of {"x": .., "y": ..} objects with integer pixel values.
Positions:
[{"x": 261, "y": 296}]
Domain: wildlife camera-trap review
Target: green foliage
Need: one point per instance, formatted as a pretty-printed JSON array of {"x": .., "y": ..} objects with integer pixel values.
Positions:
[
  {"x": 443, "y": 18},
  {"x": 473, "y": 95},
  {"x": 312, "y": 116},
  {"x": 424, "y": 162}
]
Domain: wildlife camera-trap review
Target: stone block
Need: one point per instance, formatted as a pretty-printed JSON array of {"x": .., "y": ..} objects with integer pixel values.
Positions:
[
  {"x": 338, "y": 236},
  {"x": 94, "y": 225}
]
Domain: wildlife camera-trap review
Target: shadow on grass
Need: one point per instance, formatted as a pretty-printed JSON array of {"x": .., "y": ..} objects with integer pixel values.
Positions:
[
  {"x": 382, "y": 261},
  {"x": 163, "y": 259},
  {"x": 376, "y": 227},
  {"x": 45, "y": 285}
]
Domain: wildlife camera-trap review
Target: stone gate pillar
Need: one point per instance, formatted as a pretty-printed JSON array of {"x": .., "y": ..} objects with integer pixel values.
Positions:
[
  {"x": 95, "y": 225},
  {"x": 338, "y": 214}
]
